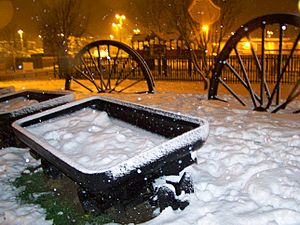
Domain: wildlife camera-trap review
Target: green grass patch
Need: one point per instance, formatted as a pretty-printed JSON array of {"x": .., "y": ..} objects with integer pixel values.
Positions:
[{"x": 58, "y": 197}]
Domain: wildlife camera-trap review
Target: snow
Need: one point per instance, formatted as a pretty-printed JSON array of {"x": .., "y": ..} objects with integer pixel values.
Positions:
[
  {"x": 247, "y": 171},
  {"x": 5, "y": 90},
  {"x": 13, "y": 161},
  {"x": 15, "y": 103},
  {"x": 16, "y": 106},
  {"x": 93, "y": 140}
]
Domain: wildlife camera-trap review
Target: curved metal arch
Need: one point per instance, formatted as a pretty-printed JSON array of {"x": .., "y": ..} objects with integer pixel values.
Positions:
[
  {"x": 242, "y": 32},
  {"x": 136, "y": 57}
]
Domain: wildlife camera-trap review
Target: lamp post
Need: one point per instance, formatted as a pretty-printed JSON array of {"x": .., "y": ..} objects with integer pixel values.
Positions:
[
  {"x": 21, "y": 32},
  {"x": 120, "y": 18},
  {"x": 205, "y": 29},
  {"x": 119, "y": 25}
]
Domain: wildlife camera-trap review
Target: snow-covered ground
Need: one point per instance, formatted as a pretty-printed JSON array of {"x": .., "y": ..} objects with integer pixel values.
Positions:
[{"x": 248, "y": 171}]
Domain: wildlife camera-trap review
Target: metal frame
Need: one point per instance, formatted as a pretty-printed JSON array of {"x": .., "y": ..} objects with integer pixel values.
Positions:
[
  {"x": 106, "y": 74},
  {"x": 271, "y": 96}
]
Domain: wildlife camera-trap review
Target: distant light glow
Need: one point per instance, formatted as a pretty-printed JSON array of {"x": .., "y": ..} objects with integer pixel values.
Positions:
[
  {"x": 205, "y": 28},
  {"x": 269, "y": 33},
  {"x": 103, "y": 53},
  {"x": 247, "y": 45},
  {"x": 20, "y": 32},
  {"x": 283, "y": 27},
  {"x": 136, "y": 31}
]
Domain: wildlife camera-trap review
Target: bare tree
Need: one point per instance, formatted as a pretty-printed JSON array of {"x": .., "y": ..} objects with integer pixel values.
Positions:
[
  {"x": 153, "y": 16},
  {"x": 12, "y": 42},
  {"x": 209, "y": 40},
  {"x": 173, "y": 16},
  {"x": 58, "y": 20}
]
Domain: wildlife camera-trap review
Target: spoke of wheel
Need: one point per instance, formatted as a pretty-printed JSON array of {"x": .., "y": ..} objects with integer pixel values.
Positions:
[
  {"x": 134, "y": 83},
  {"x": 283, "y": 70},
  {"x": 114, "y": 66},
  {"x": 127, "y": 75},
  {"x": 240, "y": 79},
  {"x": 109, "y": 60},
  {"x": 87, "y": 68},
  {"x": 294, "y": 94},
  {"x": 78, "y": 82},
  {"x": 100, "y": 65},
  {"x": 85, "y": 76},
  {"x": 231, "y": 91},
  {"x": 124, "y": 78},
  {"x": 88, "y": 77},
  {"x": 262, "y": 76},
  {"x": 98, "y": 70},
  {"x": 247, "y": 84},
  {"x": 254, "y": 53},
  {"x": 257, "y": 63},
  {"x": 121, "y": 72},
  {"x": 279, "y": 62}
]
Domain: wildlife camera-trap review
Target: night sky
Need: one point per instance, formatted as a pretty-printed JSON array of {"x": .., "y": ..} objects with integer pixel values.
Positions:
[{"x": 102, "y": 13}]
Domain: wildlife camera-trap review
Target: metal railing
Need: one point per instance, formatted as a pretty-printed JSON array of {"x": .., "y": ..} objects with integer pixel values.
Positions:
[{"x": 179, "y": 68}]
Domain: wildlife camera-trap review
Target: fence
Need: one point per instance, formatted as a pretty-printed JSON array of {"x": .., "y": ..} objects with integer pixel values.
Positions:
[
  {"x": 182, "y": 68},
  {"x": 271, "y": 64}
]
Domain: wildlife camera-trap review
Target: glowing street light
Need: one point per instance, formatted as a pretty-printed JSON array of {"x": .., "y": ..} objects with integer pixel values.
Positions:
[
  {"x": 119, "y": 25},
  {"x": 269, "y": 33},
  {"x": 116, "y": 25},
  {"x": 21, "y": 32},
  {"x": 120, "y": 18},
  {"x": 247, "y": 45},
  {"x": 136, "y": 31},
  {"x": 205, "y": 28}
]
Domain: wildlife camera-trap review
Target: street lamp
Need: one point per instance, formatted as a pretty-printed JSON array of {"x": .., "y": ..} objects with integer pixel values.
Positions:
[
  {"x": 119, "y": 25},
  {"x": 269, "y": 33},
  {"x": 136, "y": 31},
  {"x": 120, "y": 18},
  {"x": 21, "y": 32},
  {"x": 205, "y": 28}
]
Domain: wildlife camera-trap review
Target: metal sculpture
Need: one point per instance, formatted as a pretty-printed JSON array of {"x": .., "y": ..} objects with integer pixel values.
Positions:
[
  {"x": 108, "y": 66},
  {"x": 265, "y": 97}
]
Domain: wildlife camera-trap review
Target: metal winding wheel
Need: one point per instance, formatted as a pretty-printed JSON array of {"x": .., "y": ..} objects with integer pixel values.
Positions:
[
  {"x": 107, "y": 66},
  {"x": 272, "y": 60}
]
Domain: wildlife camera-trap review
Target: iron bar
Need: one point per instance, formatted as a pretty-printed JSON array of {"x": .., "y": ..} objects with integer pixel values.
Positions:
[
  {"x": 247, "y": 84},
  {"x": 232, "y": 92}
]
